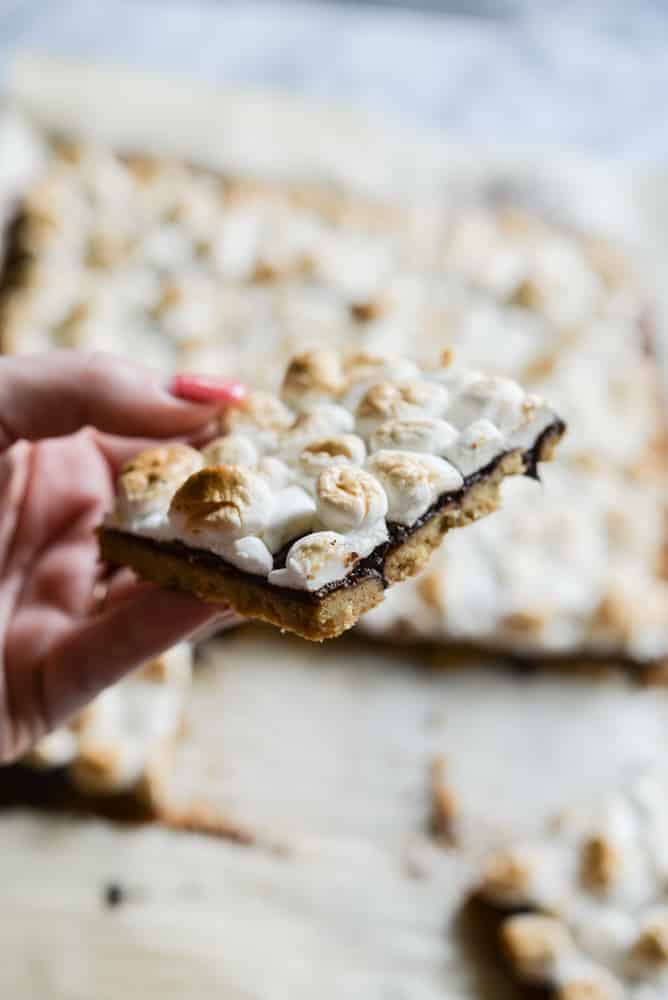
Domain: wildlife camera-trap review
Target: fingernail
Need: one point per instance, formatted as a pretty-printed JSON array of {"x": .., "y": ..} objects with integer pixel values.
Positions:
[{"x": 208, "y": 389}]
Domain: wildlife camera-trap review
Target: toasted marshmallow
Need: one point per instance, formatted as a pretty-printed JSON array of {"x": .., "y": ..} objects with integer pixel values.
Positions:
[
  {"x": 344, "y": 449},
  {"x": 430, "y": 397},
  {"x": 311, "y": 425},
  {"x": 381, "y": 402},
  {"x": 414, "y": 434},
  {"x": 475, "y": 447},
  {"x": 315, "y": 560},
  {"x": 536, "y": 945},
  {"x": 293, "y": 515},
  {"x": 220, "y": 504},
  {"x": 311, "y": 376},
  {"x": 361, "y": 366},
  {"x": 231, "y": 449},
  {"x": 148, "y": 482},
  {"x": 349, "y": 499},
  {"x": 262, "y": 418},
  {"x": 493, "y": 398},
  {"x": 412, "y": 482}
]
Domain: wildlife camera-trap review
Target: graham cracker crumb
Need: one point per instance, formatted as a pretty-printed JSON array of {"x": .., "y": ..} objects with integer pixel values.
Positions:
[
  {"x": 200, "y": 817},
  {"x": 365, "y": 312},
  {"x": 600, "y": 863},
  {"x": 444, "y": 805},
  {"x": 506, "y": 876},
  {"x": 533, "y": 943},
  {"x": 652, "y": 944}
]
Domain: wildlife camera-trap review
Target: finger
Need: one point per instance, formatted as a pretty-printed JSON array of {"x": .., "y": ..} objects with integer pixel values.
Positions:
[
  {"x": 57, "y": 393},
  {"x": 208, "y": 389},
  {"x": 96, "y": 654}
]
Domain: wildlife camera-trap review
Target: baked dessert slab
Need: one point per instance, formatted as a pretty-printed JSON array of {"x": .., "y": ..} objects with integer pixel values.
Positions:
[
  {"x": 303, "y": 518},
  {"x": 583, "y": 912}
]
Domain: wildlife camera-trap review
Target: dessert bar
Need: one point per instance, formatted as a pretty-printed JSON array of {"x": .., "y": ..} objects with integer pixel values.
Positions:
[{"x": 307, "y": 507}]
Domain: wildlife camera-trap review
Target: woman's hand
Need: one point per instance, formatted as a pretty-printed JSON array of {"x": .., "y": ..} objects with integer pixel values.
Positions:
[{"x": 68, "y": 422}]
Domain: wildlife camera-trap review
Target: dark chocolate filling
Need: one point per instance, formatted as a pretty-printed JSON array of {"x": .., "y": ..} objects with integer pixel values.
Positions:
[{"x": 372, "y": 565}]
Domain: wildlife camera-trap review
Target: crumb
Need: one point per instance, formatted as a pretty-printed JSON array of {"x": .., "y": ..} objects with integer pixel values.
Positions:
[
  {"x": 600, "y": 863},
  {"x": 114, "y": 895},
  {"x": 200, "y": 817},
  {"x": 444, "y": 806}
]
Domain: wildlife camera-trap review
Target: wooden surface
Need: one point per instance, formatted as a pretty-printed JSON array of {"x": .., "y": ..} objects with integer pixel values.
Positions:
[{"x": 324, "y": 754}]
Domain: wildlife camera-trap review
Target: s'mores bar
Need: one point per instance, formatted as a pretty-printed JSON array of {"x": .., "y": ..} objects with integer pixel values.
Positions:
[
  {"x": 584, "y": 910},
  {"x": 307, "y": 507}
]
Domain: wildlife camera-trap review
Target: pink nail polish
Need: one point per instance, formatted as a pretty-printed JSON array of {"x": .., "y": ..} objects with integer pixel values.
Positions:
[{"x": 208, "y": 389}]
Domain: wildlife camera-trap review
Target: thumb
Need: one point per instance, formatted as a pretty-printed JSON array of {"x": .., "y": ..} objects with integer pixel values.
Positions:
[{"x": 57, "y": 393}]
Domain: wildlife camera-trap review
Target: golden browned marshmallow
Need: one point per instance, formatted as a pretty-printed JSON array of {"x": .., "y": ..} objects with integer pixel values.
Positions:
[
  {"x": 346, "y": 449},
  {"x": 507, "y": 879},
  {"x": 651, "y": 946},
  {"x": 349, "y": 499},
  {"x": 149, "y": 480},
  {"x": 428, "y": 434},
  {"x": 231, "y": 449},
  {"x": 430, "y": 397},
  {"x": 225, "y": 500},
  {"x": 412, "y": 481},
  {"x": 360, "y": 365},
  {"x": 534, "y": 944},
  {"x": 601, "y": 863},
  {"x": 381, "y": 402},
  {"x": 312, "y": 375},
  {"x": 261, "y": 416}
]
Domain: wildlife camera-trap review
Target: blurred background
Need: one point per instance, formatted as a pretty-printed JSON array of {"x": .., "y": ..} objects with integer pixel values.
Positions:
[{"x": 579, "y": 73}]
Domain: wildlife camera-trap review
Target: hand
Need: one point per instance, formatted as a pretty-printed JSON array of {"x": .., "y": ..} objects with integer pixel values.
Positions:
[{"x": 67, "y": 424}]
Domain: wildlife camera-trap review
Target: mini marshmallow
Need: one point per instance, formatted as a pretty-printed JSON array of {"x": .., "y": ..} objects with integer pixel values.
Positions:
[
  {"x": 535, "y": 945},
  {"x": 412, "y": 482},
  {"x": 222, "y": 503},
  {"x": 346, "y": 449},
  {"x": 262, "y": 417},
  {"x": 313, "y": 425},
  {"x": 148, "y": 482},
  {"x": 349, "y": 499},
  {"x": 231, "y": 449},
  {"x": 475, "y": 447},
  {"x": 293, "y": 515},
  {"x": 317, "y": 559},
  {"x": 493, "y": 398},
  {"x": 312, "y": 376},
  {"x": 426, "y": 434},
  {"x": 381, "y": 402}
]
